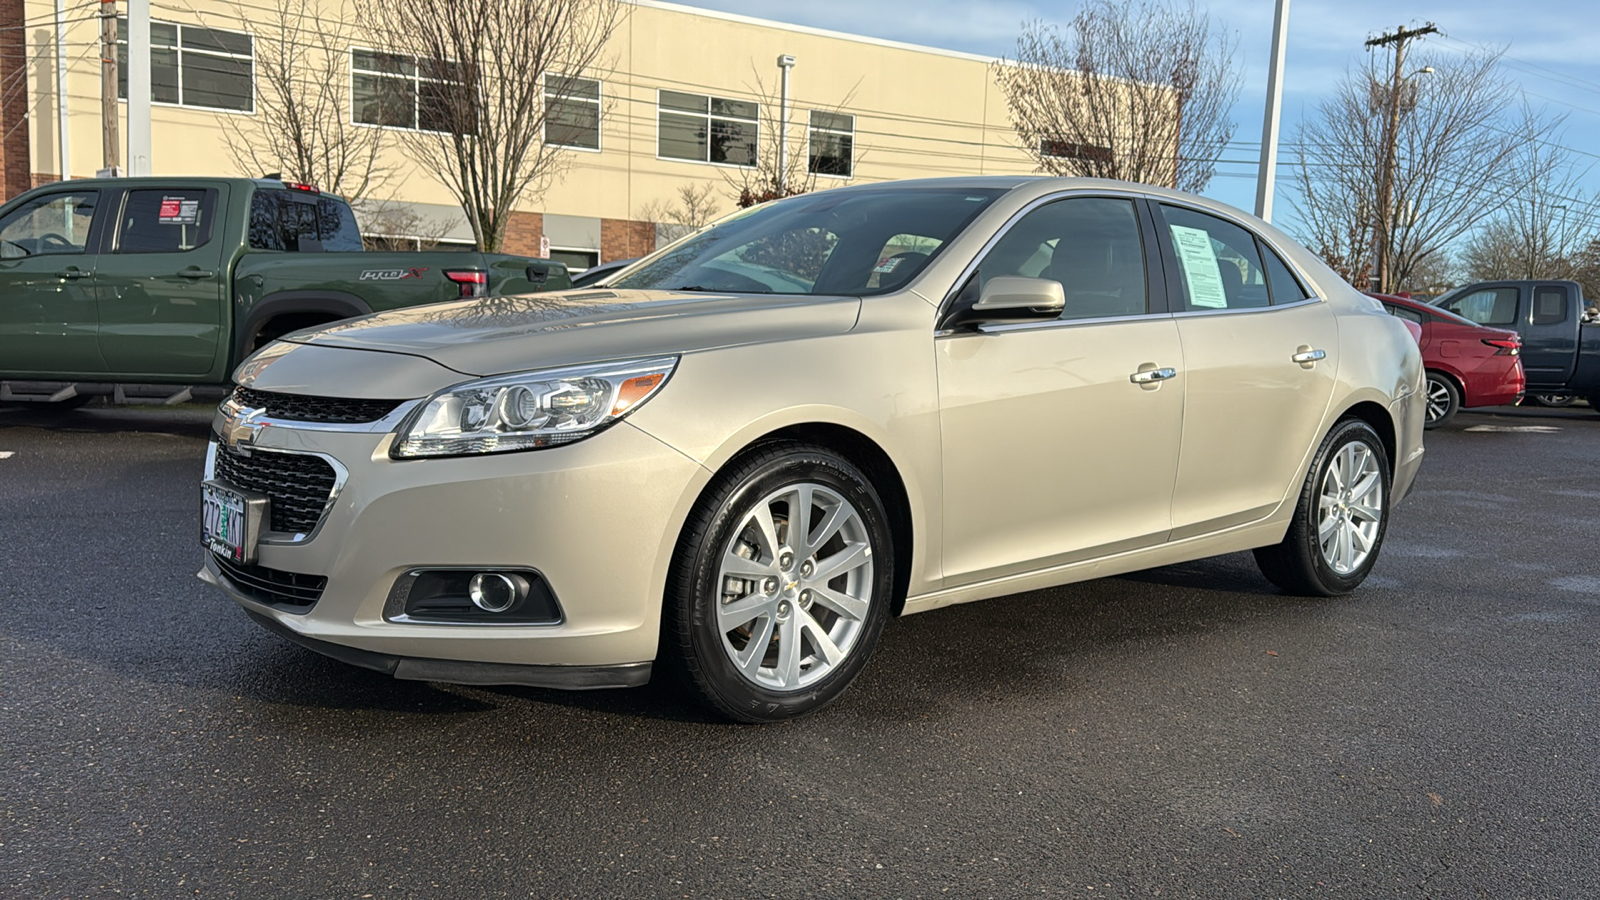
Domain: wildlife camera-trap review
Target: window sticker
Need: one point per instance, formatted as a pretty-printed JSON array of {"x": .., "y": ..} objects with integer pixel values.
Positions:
[
  {"x": 885, "y": 266},
  {"x": 1199, "y": 261},
  {"x": 178, "y": 211}
]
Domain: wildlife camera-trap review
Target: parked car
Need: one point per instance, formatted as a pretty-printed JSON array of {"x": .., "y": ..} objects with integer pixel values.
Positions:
[
  {"x": 1468, "y": 365},
  {"x": 594, "y": 274},
  {"x": 988, "y": 385},
  {"x": 174, "y": 281},
  {"x": 1560, "y": 340}
]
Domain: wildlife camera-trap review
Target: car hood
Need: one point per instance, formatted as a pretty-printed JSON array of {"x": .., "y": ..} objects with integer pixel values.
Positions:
[{"x": 495, "y": 335}]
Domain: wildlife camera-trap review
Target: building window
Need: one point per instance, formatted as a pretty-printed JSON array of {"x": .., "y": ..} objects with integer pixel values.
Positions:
[
  {"x": 707, "y": 129},
  {"x": 1060, "y": 149},
  {"x": 833, "y": 137},
  {"x": 572, "y": 112},
  {"x": 194, "y": 66},
  {"x": 576, "y": 261},
  {"x": 395, "y": 91}
]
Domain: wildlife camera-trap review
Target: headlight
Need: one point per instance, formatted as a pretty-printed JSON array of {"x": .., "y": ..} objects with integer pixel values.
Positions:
[{"x": 530, "y": 410}]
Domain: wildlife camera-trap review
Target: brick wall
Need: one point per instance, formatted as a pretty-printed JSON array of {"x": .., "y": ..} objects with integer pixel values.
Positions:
[
  {"x": 16, "y": 169},
  {"x": 626, "y": 239},
  {"x": 523, "y": 233}
]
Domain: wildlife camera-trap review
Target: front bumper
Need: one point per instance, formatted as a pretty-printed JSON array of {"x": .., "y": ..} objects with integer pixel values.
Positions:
[{"x": 597, "y": 518}]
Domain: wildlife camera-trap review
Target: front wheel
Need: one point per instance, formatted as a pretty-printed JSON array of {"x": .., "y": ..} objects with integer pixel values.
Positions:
[
  {"x": 1340, "y": 519},
  {"x": 781, "y": 584},
  {"x": 1443, "y": 401}
]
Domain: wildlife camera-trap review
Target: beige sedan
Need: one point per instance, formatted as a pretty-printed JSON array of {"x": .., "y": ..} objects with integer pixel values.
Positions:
[{"x": 744, "y": 454}]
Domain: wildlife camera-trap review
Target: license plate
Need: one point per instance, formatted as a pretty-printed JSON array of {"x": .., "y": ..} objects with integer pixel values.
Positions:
[{"x": 231, "y": 520}]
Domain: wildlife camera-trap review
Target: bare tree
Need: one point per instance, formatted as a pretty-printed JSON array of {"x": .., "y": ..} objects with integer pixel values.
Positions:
[
  {"x": 1546, "y": 220},
  {"x": 776, "y": 175},
  {"x": 302, "y": 127},
  {"x": 1137, "y": 90},
  {"x": 1433, "y": 274},
  {"x": 1455, "y": 162},
  {"x": 695, "y": 208},
  {"x": 481, "y": 111}
]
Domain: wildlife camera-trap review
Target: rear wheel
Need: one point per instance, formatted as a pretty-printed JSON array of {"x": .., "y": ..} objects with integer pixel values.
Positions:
[
  {"x": 1340, "y": 519},
  {"x": 781, "y": 584},
  {"x": 1444, "y": 399}
]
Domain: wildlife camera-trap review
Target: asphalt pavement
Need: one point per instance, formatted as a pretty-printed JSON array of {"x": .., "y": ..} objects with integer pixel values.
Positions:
[{"x": 1181, "y": 732}]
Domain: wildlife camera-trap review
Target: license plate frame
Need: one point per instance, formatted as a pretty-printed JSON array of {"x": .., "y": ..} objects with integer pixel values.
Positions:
[{"x": 231, "y": 520}]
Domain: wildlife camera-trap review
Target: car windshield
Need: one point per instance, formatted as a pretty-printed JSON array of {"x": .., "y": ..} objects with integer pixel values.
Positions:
[{"x": 856, "y": 242}]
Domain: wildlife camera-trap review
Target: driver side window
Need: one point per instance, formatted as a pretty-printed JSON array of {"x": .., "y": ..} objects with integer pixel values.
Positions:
[
  {"x": 52, "y": 224},
  {"x": 1090, "y": 245}
]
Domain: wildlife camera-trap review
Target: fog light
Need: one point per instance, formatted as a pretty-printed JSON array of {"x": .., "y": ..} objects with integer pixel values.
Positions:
[{"x": 493, "y": 591}]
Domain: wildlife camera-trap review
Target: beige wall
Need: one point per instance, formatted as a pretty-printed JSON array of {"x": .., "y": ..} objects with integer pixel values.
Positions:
[{"x": 919, "y": 112}]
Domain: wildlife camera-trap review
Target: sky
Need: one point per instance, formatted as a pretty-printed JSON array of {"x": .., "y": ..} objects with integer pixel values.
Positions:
[{"x": 1552, "y": 47}]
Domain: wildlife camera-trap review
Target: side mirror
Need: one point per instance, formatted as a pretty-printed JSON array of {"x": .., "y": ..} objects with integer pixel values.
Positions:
[
  {"x": 538, "y": 272},
  {"x": 1012, "y": 298},
  {"x": 1591, "y": 315}
]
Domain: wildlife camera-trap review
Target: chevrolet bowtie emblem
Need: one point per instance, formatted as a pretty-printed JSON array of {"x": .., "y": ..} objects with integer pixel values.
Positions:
[{"x": 243, "y": 427}]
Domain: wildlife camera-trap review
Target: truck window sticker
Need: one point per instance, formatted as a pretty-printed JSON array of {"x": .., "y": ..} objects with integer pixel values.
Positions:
[{"x": 1199, "y": 261}]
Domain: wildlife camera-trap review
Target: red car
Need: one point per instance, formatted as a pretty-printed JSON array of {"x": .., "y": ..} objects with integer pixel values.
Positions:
[{"x": 1468, "y": 364}]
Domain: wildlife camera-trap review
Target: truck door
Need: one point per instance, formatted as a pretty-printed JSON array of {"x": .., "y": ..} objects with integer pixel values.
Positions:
[
  {"x": 1550, "y": 336},
  {"x": 48, "y": 319},
  {"x": 161, "y": 287}
]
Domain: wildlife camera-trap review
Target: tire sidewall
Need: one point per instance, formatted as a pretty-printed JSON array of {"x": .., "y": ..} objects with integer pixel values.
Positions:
[
  {"x": 1343, "y": 434},
  {"x": 731, "y": 691}
]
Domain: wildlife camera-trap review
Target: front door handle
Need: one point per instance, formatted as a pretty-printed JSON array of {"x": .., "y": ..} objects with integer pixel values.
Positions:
[
  {"x": 1152, "y": 375},
  {"x": 195, "y": 273},
  {"x": 72, "y": 273},
  {"x": 1308, "y": 357}
]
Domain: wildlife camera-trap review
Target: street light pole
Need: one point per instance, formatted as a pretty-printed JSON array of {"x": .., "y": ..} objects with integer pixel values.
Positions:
[
  {"x": 1269, "y": 126},
  {"x": 785, "y": 63}
]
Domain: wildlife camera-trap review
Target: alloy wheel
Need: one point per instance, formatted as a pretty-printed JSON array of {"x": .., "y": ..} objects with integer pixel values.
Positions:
[
  {"x": 795, "y": 585},
  {"x": 1350, "y": 509},
  {"x": 1438, "y": 400}
]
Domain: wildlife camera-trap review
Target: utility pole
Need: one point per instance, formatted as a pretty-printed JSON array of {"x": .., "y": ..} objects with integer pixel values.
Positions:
[
  {"x": 139, "y": 87},
  {"x": 1269, "y": 126},
  {"x": 785, "y": 62},
  {"x": 111, "y": 146},
  {"x": 1391, "y": 136},
  {"x": 63, "y": 132}
]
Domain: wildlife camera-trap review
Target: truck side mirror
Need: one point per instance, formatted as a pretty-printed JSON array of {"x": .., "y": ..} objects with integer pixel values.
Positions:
[
  {"x": 1591, "y": 315},
  {"x": 538, "y": 272}
]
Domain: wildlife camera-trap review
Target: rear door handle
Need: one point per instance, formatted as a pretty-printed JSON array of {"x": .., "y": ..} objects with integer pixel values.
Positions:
[
  {"x": 1152, "y": 375},
  {"x": 72, "y": 273},
  {"x": 195, "y": 273},
  {"x": 1307, "y": 357}
]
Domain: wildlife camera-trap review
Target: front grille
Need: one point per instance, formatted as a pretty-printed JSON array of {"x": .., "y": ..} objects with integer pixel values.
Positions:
[
  {"x": 301, "y": 408},
  {"x": 288, "y": 591},
  {"x": 298, "y": 485}
]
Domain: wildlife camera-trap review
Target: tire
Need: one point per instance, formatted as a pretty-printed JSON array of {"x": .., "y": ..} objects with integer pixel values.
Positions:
[
  {"x": 742, "y": 631},
  {"x": 1444, "y": 400},
  {"x": 1554, "y": 401},
  {"x": 1594, "y": 402},
  {"x": 1300, "y": 564}
]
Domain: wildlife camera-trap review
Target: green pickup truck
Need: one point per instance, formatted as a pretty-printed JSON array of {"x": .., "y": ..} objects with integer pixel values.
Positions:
[{"x": 159, "y": 287}]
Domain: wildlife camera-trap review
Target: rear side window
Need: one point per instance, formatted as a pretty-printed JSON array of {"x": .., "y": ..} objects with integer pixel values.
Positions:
[
  {"x": 300, "y": 222},
  {"x": 1285, "y": 287},
  {"x": 1490, "y": 306},
  {"x": 165, "y": 220},
  {"x": 1405, "y": 313},
  {"x": 1549, "y": 305},
  {"x": 1219, "y": 262}
]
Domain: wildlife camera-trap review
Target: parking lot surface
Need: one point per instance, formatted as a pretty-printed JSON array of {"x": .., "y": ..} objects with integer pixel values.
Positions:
[{"x": 1181, "y": 732}]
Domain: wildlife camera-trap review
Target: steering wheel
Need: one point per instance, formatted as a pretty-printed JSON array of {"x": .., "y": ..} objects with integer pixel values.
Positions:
[{"x": 52, "y": 241}]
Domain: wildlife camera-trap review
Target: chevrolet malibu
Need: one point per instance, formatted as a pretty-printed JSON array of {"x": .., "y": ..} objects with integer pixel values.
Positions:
[{"x": 742, "y": 455}]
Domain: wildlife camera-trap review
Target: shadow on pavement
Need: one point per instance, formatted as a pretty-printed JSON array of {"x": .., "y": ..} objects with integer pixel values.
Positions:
[{"x": 187, "y": 420}]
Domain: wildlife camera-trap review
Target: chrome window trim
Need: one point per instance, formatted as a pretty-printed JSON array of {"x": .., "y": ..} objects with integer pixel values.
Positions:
[
  {"x": 972, "y": 265},
  {"x": 1046, "y": 324},
  {"x": 1200, "y": 313},
  {"x": 280, "y": 538}
]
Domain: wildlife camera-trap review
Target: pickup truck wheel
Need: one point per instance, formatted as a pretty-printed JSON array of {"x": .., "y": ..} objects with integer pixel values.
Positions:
[
  {"x": 1554, "y": 401},
  {"x": 780, "y": 586},
  {"x": 1340, "y": 519},
  {"x": 1443, "y": 400}
]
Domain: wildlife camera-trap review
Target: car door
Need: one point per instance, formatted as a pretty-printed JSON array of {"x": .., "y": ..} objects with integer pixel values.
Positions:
[
  {"x": 1550, "y": 335},
  {"x": 160, "y": 286},
  {"x": 1260, "y": 356},
  {"x": 1060, "y": 438},
  {"x": 48, "y": 317}
]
